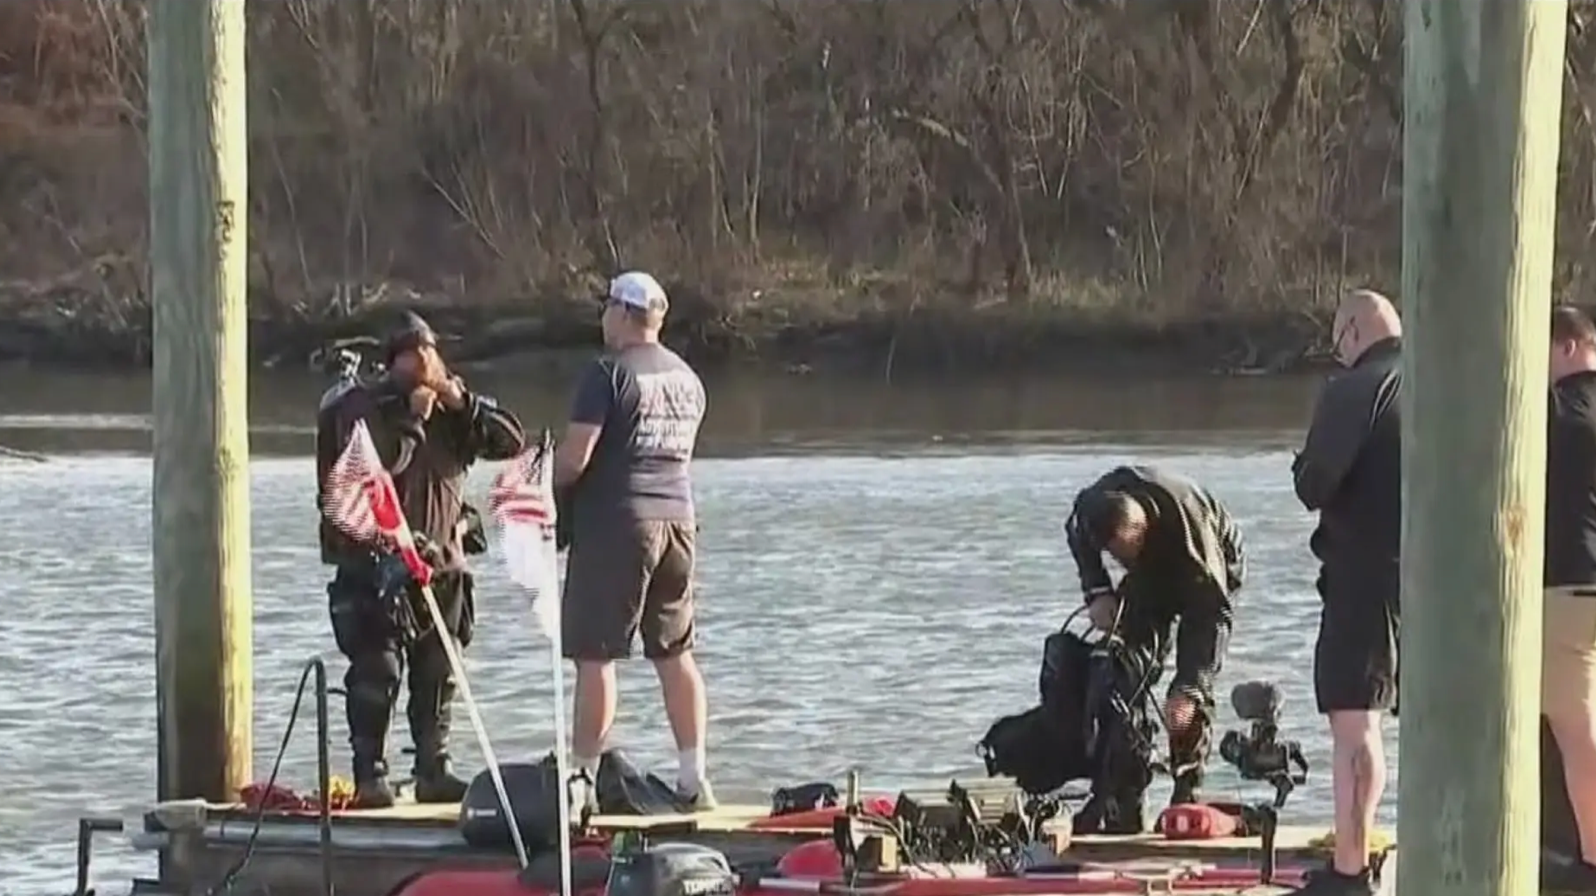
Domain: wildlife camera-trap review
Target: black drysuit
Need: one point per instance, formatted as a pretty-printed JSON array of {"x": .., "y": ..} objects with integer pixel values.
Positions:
[
  {"x": 1189, "y": 568},
  {"x": 1350, "y": 471},
  {"x": 379, "y": 629}
]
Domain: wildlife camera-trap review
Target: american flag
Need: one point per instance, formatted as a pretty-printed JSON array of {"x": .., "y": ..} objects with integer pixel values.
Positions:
[
  {"x": 359, "y": 498},
  {"x": 522, "y": 500},
  {"x": 523, "y": 492}
]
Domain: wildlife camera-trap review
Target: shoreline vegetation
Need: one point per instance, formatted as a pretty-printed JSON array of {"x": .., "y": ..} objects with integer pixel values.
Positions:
[{"x": 962, "y": 187}]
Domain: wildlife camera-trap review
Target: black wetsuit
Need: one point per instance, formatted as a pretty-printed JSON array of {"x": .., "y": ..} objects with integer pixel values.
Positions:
[
  {"x": 1350, "y": 471},
  {"x": 428, "y": 460},
  {"x": 1189, "y": 569}
]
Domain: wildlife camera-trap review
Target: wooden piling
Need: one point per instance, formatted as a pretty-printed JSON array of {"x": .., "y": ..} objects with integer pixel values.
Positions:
[
  {"x": 200, "y": 503},
  {"x": 1482, "y": 96}
]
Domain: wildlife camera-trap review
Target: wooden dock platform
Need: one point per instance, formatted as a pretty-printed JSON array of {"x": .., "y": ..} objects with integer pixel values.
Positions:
[{"x": 374, "y": 852}]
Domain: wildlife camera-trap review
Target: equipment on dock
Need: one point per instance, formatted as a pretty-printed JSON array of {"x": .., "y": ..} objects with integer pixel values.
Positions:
[
  {"x": 987, "y": 824},
  {"x": 1259, "y": 754},
  {"x": 621, "y": 789},
  {"x": 803, "y": 798},
  {"x": 1094, "y": 718}
]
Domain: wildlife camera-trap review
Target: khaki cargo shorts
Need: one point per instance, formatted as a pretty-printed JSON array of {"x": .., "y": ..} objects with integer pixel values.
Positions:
[
  {"x": 1568, "y": 654},
  {"x": 627, "y": 582}
]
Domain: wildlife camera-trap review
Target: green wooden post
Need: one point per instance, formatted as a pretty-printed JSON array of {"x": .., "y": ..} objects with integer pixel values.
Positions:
[
  {"x": 1482, "y": 95},
  {"x": 198, "y": 262}
]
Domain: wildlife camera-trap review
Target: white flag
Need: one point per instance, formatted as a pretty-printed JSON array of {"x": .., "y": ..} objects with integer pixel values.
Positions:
[{"x": 522, "y": 500}]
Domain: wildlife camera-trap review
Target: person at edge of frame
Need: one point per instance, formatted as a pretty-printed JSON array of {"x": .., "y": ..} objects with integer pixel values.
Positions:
[
  {"x": 1568, "y": 643},
  {"x": 623, "y": 473},
  {"x": 428, "y": 429},
  {"x": 1349, "y": 471},
  {"x": 1183, "y": 560}
]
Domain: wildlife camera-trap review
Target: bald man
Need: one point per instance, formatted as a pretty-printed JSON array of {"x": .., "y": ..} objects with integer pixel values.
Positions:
[{"x": 1350, "y": 472}]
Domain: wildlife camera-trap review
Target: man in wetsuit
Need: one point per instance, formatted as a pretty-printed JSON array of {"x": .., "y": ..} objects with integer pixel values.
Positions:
[
  {"x": 1183, "y": 561},
  {"x": 625, "y": 462},
  {"x": 428, "y": 429},
  {"x": 1350, "y": 471}
]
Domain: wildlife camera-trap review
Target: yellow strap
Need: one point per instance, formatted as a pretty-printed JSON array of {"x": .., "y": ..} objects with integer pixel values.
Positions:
[{"x": 1379, "y": 841}]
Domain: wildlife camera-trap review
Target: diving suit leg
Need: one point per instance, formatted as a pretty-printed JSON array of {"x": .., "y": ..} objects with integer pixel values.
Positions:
[
  {"x": 431, "y": 709},
  {"x": 1200, "y": 644},
  {"x": 371, "y": 684},
  {"x": 1188, "y": 754}
]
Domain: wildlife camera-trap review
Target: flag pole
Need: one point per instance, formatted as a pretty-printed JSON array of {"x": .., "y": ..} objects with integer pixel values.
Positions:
[
  {"x": 457, "y": 667},
  {"x": 522, "y": 500},
  {"x": 557, "y": 662}
]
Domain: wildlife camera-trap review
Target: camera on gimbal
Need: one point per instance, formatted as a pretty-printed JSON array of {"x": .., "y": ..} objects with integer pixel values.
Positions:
[
  {"x": 349, "y": 369},
  {"x": 1258, "y": 754}
]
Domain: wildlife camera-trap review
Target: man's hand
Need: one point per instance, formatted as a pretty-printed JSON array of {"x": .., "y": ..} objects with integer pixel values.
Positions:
[
  {"x": 452, "y": 393},
  {"x": 1103, "y": 611}
]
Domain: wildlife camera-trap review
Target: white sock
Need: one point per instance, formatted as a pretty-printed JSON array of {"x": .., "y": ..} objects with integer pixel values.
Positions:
[
  {"x": 587, "y": 765},
  {"x": 690, "y": 769}
]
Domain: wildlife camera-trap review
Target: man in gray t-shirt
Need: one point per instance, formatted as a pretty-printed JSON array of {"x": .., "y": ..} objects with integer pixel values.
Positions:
[{"x": 626, "y": 458}]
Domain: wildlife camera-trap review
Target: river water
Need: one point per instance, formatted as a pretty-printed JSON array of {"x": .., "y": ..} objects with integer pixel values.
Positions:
[{"x": 879, "y": 566}]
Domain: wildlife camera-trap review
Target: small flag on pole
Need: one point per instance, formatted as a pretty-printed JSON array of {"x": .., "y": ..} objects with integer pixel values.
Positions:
[
  {"x": 522, "y": 500},
  {"x": 359, "y": 498}
]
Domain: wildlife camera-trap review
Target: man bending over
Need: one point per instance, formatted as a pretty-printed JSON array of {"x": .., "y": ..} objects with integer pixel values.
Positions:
[{"x": 1183, "y": 561}]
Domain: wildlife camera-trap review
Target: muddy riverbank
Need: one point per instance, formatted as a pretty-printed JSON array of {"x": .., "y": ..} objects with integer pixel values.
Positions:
[{"x": 80, "y": 331}]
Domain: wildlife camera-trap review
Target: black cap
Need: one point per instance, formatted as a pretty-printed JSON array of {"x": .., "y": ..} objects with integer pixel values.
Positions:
[{"x": 411, "y": 331}]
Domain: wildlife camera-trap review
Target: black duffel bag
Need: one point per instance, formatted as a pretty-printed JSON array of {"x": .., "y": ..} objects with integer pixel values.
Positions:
[
  {"x": 1078, "y": 727},
  {"x": 534, "y": 791},
  {"x": 1046, "y": 747}
]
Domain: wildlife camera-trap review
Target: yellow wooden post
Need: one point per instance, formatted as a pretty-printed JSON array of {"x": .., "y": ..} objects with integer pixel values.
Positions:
[
  {"x": 1483, "y": 99},
  {"x": 198, "y": 205}
]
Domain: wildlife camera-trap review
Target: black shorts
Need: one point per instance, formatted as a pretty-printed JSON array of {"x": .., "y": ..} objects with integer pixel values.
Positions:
[
  {"x": 1355, "y": 658},
  {"x": 623, "y": 583}
]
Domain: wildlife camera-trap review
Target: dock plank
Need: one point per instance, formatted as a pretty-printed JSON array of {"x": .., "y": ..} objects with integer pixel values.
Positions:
[{"x": 735, "y": 818}]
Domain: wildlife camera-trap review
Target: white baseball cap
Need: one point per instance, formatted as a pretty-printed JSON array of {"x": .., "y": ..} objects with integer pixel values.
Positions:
[{"x": 636, "y": 289}]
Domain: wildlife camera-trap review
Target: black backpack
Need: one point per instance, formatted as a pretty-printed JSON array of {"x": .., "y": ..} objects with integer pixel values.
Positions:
[{"x": 1094, "y": 719}]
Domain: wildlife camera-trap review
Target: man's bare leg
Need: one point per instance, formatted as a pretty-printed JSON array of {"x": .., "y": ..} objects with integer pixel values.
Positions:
[
  {"x": 687, "y": 708},
  {"x": 1357, "y": 774},
  {"x": 1576, "y": 740},
  {"x": 593, "y": 715}
]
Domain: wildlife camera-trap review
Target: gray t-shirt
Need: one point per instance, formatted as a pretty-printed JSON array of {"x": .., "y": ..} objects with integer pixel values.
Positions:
[{"x": 649, "y": 403}]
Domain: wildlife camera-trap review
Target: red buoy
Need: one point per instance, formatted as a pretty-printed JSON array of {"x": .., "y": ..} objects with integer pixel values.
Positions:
[{"x": 1196, "y": 821}]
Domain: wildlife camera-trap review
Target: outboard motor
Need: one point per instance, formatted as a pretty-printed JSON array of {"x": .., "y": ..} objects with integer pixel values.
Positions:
[{"x": 669, "y": 869}]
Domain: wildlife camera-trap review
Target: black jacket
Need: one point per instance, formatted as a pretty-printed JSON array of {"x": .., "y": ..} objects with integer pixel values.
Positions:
[
  {"x": 1350, "y": 471},
  {"x": 1190, "y": 534},
  {"x": 1571, "y": 482},
  {"x": 428, "y": 459}
]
